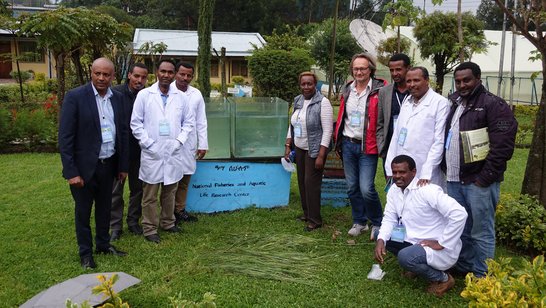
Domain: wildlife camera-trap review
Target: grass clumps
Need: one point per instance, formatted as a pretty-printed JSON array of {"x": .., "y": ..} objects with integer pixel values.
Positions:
[{"x": 281, "y": 257}]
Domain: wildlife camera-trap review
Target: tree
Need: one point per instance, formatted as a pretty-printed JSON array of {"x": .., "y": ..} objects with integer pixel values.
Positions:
[
  {"x": 206, "y": 9},
  {"x": 436, "y": 36},
  {"x": 153, "y": 50},
  {"x": 531, "y": 15},
  {"x": 276, "y": 66},
  {"x": 491, "y": 14},
  {"x": 399, "y": 13},
  {"x": 58, "y": 31},
  {"x": 373, "y": 10},
  {"x": 346, "y": 47},
  {"x": 275, "y": 72},
  {"x": 389, "y": 47}
]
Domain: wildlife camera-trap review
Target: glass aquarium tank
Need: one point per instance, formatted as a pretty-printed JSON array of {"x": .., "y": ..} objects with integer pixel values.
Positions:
[
  {"x": 258, "y": 126},
  {"x": 218, "y": 128},
  {"x": 246, "y": 127}
]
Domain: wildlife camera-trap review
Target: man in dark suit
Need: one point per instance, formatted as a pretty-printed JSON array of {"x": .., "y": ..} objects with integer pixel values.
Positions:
[
  {"x": 93, "y": 142},
  {"x": 136, "y": 81}
]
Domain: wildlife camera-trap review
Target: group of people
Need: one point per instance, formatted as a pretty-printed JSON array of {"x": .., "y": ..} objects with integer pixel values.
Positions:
[
  {"x": 152, "y": 136},
  {"x": 439, "y": 213},
  {"x": 445, "y": 156}
]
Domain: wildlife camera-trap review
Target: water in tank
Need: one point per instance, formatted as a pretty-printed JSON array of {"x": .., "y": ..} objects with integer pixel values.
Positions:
[
  {"x": 259, "y": 126},
  {"x": 219, "y": 128}
]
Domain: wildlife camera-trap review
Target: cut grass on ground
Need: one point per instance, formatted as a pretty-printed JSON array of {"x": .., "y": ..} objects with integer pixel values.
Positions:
[{"x": 286, "y": 266}]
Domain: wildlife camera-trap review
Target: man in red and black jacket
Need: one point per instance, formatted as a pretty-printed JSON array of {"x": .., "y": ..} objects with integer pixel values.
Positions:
[{"x": 356, "y": 143}]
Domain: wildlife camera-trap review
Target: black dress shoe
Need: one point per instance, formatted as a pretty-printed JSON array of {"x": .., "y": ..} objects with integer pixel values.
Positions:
[
  {"x": 136, "y": 229},
  {"x": 153, "y": 238},
  {"x": 116, "y": 234},
  {"x": 173, "y": 229},
  {"x": 112, "y": 251},
  {"x": 184, "y": 216},
  {"x": 311, "y": 227},
  {"x": 87, "y": 262}
]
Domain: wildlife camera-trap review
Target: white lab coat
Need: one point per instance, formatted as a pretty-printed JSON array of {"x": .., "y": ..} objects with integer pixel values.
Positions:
[
  {"x": 428, "y": 214},
  {"x": 425, "y": 136},
  {"x": 162, "y": 157},
  {"x": 198, "y": 138}
]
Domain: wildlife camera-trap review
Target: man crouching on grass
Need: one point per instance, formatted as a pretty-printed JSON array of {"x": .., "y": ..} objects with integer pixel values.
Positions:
[{"x": 422, "y": 226}]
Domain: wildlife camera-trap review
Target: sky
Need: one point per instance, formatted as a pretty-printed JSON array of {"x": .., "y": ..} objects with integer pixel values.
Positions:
[{"x": 448, "y": 5}]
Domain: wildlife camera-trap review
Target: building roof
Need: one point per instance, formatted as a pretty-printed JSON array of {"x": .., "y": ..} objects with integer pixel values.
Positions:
[{"x": 185, "y": 43}]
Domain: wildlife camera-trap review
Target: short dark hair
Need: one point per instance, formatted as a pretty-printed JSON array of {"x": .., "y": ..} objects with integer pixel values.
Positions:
[
  {"x": 475, "y": 68},
  {"x": 423, "y": 70},
  {"x": 186, "y": 65},
  {"x": 308, "y": 74},
  {"x": 401, "y": 57},
  {"x": 165, "y": 60},
  {"x": 138, "y": 64},
  {"x": 404, "y": 159}
]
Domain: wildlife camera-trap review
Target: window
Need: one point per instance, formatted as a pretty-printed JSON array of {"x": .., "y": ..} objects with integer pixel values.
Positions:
[
  {"x": 214, "y": 68},
  {"x": 29, "y": 52},
  {"x": 239, "y": 68}
]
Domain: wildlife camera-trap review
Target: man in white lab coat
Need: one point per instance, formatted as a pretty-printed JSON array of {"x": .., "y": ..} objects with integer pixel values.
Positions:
[
  {"x": 422, "y": 226},
  {"x": 419, "y": 131},
  {"x": 161, "y": 121},
  {"x": 197, "y": 142}
]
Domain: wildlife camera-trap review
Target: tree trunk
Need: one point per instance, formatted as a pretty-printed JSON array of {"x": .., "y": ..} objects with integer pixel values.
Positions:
[
  {"x": 534, "y": 181},
  {"x": 19, "y": 77},
  {"x": 76, "y": 59},
  {"x": 440, "y": 73},
  {"x": 460, "y": 31},
  {"x": 206, "y": 9},
  {"x": 59, "y": 66}
]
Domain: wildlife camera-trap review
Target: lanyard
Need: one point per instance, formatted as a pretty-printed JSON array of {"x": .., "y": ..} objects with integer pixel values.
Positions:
[{"x": 398, "y": 97}]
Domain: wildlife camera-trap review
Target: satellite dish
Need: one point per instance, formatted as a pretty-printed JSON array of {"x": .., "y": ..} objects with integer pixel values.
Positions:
[{"x": 368, "y": 34}]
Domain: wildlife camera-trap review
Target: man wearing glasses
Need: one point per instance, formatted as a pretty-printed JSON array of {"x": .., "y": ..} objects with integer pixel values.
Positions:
[{"x": 356, "y": 143}]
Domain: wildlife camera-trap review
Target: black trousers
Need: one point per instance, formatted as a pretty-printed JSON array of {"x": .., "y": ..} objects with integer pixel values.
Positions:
[
  {"x": 98, "y": 189},
  {"x": 309, "y": 183},
  {"x": 134, "y": 210},
  {"x": 395, "y": 247}
]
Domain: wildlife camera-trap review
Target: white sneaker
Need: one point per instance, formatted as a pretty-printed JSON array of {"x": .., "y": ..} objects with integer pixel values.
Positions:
[
  {"x": 357, "y": 229},
  {"x": 375, "y": 229}
]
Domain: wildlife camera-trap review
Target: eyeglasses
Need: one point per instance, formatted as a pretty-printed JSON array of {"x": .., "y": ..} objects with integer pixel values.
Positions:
[{"x": 360, "y": 69}]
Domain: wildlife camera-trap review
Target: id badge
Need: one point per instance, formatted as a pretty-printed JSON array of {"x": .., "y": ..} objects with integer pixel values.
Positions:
[
  {"x": 448, "y": 139},
  {"x": 402, "y": 136},
  {"x": 164, "y": 128},
  {"x": 398, "y": 233},
  {"x": 355, "y": 119},
  {"x": 394, "y": 120},
  {"x": 106, "y": 132},
  {"x": 297, "y": 130}
]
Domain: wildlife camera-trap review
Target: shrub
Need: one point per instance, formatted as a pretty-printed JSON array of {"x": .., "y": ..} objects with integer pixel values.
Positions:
[
  {"x": 504, "y": 286},
  {"x": 521, "y": 223},
  {"x": 33, "y": 127},
  {"x": 238, "y": 79},
  {"x": 275, "y": 72},
  {"x": 40, "y": 77},
  {"x": 25, "y": 75}
]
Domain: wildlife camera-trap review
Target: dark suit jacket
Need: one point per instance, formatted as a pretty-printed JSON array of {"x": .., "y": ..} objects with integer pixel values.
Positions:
[
  {"x": 128, "y": 102},
  {"x": 80, "y": 136}
]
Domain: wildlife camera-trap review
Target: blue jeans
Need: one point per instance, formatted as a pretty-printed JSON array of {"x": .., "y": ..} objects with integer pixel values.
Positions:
[
  {"x": 413, "y": 258},
  {"x": 360, "y": 172},
  {"x": 479, "y": 231}
]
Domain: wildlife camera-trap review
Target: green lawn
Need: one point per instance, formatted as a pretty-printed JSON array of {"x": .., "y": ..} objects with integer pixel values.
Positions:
[{"x": 39, "y": 250}]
